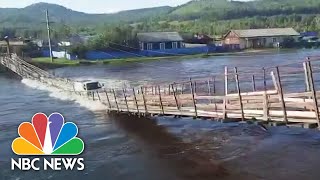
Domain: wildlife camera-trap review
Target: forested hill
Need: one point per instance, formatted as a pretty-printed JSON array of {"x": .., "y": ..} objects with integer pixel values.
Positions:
[
  {"x": 213, "y": 17},
  {"x": 224, "y": 9}
]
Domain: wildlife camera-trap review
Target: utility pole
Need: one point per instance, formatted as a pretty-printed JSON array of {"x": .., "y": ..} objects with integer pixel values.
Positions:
[{"x": 49, "y": 36}]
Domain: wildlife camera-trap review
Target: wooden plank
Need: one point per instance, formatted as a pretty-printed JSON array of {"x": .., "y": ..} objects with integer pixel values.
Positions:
[{"x": 239, "y": 92}]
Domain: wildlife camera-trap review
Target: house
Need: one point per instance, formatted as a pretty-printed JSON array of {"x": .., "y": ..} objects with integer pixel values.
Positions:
[
  {"x": 159, "y": 40},
  {"x": 75, "y": 40},
  {"x": 258, "y": 38}
]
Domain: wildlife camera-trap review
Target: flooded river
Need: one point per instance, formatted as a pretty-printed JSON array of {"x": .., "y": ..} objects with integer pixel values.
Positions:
[{"x": 130, "y": 148}]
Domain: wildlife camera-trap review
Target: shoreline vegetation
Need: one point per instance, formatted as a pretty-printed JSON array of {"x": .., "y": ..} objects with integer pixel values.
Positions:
[{"x": 45, "y": 62}]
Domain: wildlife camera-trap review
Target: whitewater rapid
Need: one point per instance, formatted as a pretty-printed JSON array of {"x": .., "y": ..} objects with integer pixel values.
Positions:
[{"x": 65, "y": 96}]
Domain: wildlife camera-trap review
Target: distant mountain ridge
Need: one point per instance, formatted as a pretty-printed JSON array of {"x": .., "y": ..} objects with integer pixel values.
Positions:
[
  {"x": 35, "y": 14},
  {"x": 208, "y": 16}
]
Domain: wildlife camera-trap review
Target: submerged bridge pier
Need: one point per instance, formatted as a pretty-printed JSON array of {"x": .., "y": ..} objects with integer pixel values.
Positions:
[{"x": 282, "y": 95}]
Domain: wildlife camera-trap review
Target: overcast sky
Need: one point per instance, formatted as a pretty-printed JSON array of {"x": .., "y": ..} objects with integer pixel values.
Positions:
[{"x": 96, "y": 6}]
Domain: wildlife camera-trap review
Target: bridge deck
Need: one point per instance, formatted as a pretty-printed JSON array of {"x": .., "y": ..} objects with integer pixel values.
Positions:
[{"x": 285, "y": 94}]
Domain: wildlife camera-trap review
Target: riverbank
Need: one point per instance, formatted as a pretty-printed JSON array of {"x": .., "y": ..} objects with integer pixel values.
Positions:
[{"x": 46, "y": 63}]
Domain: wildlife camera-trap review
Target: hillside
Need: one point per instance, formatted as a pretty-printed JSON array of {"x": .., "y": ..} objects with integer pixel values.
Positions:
[
  {"x": 35, "y": 14},
  {"x": 213, "y": 17},
  {"x": 224, "y": 9}
]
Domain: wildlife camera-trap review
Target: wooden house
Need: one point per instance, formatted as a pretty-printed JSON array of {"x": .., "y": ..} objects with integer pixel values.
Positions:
[
  {"x": 258, "y": 38},
  {"x": 159, "y": 40}
]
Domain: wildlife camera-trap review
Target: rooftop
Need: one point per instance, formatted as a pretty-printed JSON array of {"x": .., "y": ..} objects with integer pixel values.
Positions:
[
  {"x": 247, "y": 33},
  {"x": 159, "y": 37}
]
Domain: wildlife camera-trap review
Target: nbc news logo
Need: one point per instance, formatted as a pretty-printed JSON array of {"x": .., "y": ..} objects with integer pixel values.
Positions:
[{"x": 48, "y": 136}]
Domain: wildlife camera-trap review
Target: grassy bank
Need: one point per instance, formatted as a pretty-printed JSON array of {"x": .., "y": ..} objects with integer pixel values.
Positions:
[{"x": 47, "y": 64}]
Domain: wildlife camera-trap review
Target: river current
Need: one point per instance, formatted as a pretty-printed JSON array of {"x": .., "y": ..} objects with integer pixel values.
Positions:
[{"x": 131, "y": 148}]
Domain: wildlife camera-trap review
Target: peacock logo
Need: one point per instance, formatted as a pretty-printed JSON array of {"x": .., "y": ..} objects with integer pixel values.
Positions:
[{"x": 47, "y": 136}]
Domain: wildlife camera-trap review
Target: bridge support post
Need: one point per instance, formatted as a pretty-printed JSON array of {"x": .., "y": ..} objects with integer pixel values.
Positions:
[
  {"x": 174, "y": 91},
  {"x": 280, "y": 91},
  {"x": 93, "y": 95},
  {"x": 182, "y": 88},
  {"x": 313, "y": 90},
  {"x": 98, "y": 95},
  {"x": 253, "y": 83},
  {"x": 193, "y": 99},
  {"x": 225, "y": 99},
  {"x": 306, "y": 76},
  {"x": 115, "y": 99},
  {"x": 264, "y": 79},
  {"x": 109, "y": 103},
  {"x": 265, "y": 107},
  {"x": 239, "y": 92},
  {"x": 125, "y": 98},
  {"x": 135, "y": 99},
  {"x": 144, "y": 101},
  {"x": 160, "y": 99}
]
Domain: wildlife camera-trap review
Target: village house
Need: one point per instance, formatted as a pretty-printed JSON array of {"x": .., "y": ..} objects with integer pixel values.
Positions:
[
  {"x": 160, "y": 40},
  {"x": 258, "y": 38}
]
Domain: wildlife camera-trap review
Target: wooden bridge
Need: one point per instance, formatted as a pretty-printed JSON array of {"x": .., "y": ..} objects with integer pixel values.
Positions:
[{"x": 282, "y": 95}]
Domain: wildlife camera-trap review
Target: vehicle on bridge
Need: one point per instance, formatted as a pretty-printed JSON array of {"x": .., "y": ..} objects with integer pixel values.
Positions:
[{"x": 87, "y": 85}]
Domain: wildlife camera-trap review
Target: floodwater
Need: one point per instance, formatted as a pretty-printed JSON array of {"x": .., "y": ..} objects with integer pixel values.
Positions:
[{"x": 127, "y": 147}]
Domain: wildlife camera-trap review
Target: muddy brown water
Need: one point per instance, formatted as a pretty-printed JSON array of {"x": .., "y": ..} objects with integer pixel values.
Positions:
[{"x": 118, "y": 146}]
